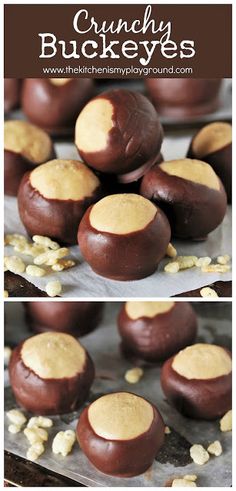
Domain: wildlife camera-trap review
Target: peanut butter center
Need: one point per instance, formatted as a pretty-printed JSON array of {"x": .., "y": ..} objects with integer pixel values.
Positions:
[
  {"x": 202, "y": 362},
  {"x": 120, "y": 416},
  {"x": 53, "y": 355},
  {"x": 122, "y": 213}
]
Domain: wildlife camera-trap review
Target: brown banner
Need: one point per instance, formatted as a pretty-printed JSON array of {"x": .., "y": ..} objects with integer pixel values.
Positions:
[{"x": 118, "y": 41}]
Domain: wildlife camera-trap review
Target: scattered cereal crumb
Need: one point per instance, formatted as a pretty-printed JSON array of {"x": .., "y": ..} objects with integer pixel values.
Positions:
[
  {"x": 33, "y": 270},
  {"x": 62, "y": 264},
  {"x": 190, "y": 477},
  {"x": 63, "y": 442},
  {"x": 6, "y": 294},
  {"x": 203, "y": 261},
  {"x": 226, "y": 421},
  {"x": 35, "y": 434},
  {"x": 216, "y": 268},
  {"x": 53, "y": 288},
  {"x": 40, "y": 421},
  {"x": 51, "y": 257},
  {"x": 181, "y": 482},
  {"x": 13, "y": 428},
  {"x": 16, "y": 417},
  {"x": 172, "y": 267},
  {"x": 199, "y": 455},
  {"x": 46, "y": 242},
  {"x": 133, "y": 375},
  {"x": 215, "y": 448},
  {"x": 14, "y": 264},
  {"x": 167, "y": 430},
  {"x": 7, "y": 354},
  {"x": 186, "y": 262},
  {"x": 223, "y": 259},
  {"x": 15, "y": 239},
  {"x": 35, "y": 451},
  {"x": 208, "y": 292},
  {"x": 171, "y": 251}
]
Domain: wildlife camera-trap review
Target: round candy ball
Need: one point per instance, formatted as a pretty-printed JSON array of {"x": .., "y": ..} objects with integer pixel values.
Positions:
[
  {"x": 54, "y": 103},
  {"x": 53, "y": 198},
  {"x": 25, "y": 147},
  {"x": 213, "y": 144},
  {"x": 75, "y": 318},
  {"x": 119, "y": 132},
  {"x": 198, "y": 381},
  {"x": 124, "y": 237},
  {"x": 153, "y": 331},
  {"x": 51, "y": 373},
  {"x": 191, "y": 195},
  {"x": 121, "y": 434},
  {"x": 184, "y": 97}
]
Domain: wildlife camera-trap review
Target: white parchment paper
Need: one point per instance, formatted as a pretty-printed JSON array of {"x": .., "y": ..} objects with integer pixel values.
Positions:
[{"x": 81, "y": 281}]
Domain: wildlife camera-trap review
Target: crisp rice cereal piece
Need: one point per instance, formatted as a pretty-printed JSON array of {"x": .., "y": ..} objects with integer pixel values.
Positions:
[
  {"x": 40, "y": 421},
  {"x": 216, "y": 268},
  {"x": 13, "y": 428},
  {"x": 16, "y": 417},
  {"x": 14, "y": 239},
  {"x": 203, "y": 261},
  {"x": 63, "y": 442},
  {"x": 54, "y": 256},
  {"x": 183, "y": 483},
  {"x": 215, "y": 448},
  {"x": 186, "y": 262},
  {"x": 51, "y": 257},
  {"x": 199, "y": 455},
  {"x": 226, "y": 421},
  {"x": 171, "y": 251},
  {"x": 167, "y": 430},
  {"x": 14, "y": 264},
  {"x": 223, "y": 259},
  {"x": 35, "y": 434},
  {"x": 33, "y": 250},
  {"x": 208, "y": 292},
  {"x": 172, "y": 267},
  {"x": 35, "y": 451},
  {"x": 190, "y": 477},
  {"x": 133, "y": 375},
  {"x": 7, "y": 354},
  {"x": 53, "y": 288},
  {"x": 33, "y": 270},
  {"x": 46, "y": 242},
  {"x": 62, "y": 264},
  {"x": 6, "y": 294}
]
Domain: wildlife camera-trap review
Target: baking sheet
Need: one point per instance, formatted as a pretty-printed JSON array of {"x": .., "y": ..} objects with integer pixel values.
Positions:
[
  {"x": 173, "y": 460},
  {"x": 81, "y": 281}
]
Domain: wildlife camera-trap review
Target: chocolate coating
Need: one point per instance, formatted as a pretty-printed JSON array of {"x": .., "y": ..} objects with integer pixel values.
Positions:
[
  {"x": 184, "y": 97},
  {"x": 12, "y": 92},
  {"x": 58, "y": 219},
  {"x": 48, "y": 396},
  {"x": 121, "y": 458},
  {"x": 55, "y": 108},
  {"x": 133, "y": 142},
  {"x": 15, "y": 166},
  {"x": 126, "y": 183},
  {"x": 75, "y": 318},
  {"x": 221, "y": 162},
  {"x": 193, "y": 209},
  {"x": 200, "y": 399},
  {"x": 156, "y": 338},
  {"x": 124, "y": 257}
]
